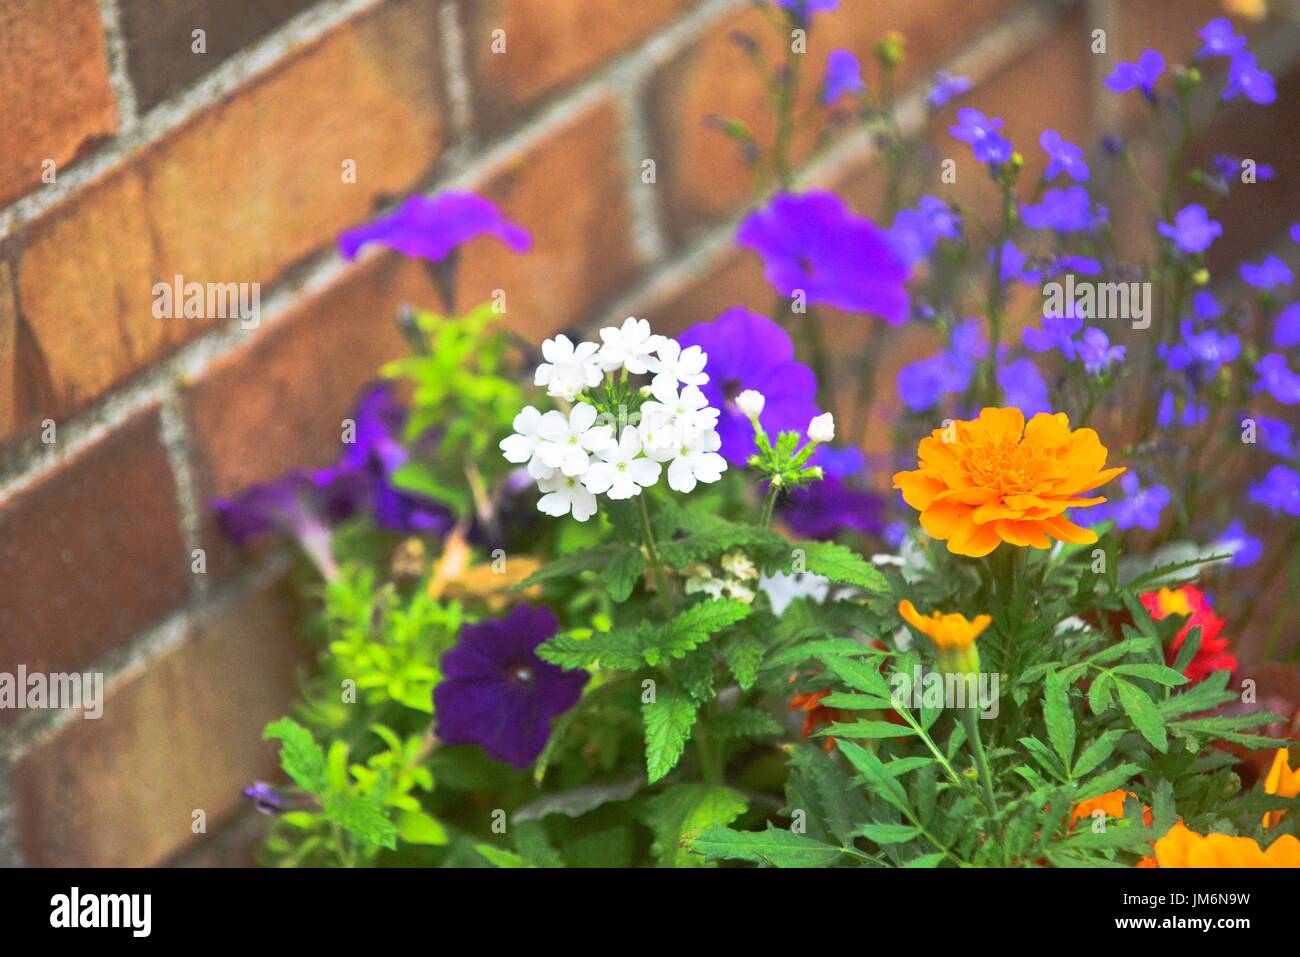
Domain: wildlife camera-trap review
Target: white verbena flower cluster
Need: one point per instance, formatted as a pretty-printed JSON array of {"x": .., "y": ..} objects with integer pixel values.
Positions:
[{"x": 590, "y": 451}]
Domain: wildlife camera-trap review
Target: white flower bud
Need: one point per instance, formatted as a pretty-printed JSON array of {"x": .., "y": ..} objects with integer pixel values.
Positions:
[
  {"x": 822, "y": 428},
  {"x": 750, "y": 402}
]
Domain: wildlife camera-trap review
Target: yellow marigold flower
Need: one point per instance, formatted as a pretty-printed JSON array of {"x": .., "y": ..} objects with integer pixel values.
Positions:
[
  {"x": 995, "y": 479},
  {"x": 1183, "y": 847},
  {"x": 1283, "y": 781},
  {"x": 1111, "y": 804},
  {"x": 952, "y": 632},
  {"x": 1173, "y": 602}
]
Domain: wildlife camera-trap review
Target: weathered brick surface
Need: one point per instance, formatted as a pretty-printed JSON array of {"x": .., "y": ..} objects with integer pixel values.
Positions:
[
  {"x": 161, "y": 46},
  {"x": 548, "y": 46},
  {"x": 569, "y": 191},
  {"x": 55, "y": 99},
  {"x": 702, "y": 172},
  {"x": 8, "y": 349},
  {"x": 91, "y": 554},
  {"x": 182, "y": 735},
  {"x": 239, "y": 194}
]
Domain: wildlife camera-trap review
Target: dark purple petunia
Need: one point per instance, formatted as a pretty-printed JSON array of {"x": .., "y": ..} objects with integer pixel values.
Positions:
[
  {"x": 826, "y": 508},
  {"x": 749, "y": 351},
  {"x": 813, "y": 242},
  {"x": 497, "y": 693},
  {"x": 430, "y": 227},
  {"x": 804, "y": 9},
  {"x": 839, "y": 463}
]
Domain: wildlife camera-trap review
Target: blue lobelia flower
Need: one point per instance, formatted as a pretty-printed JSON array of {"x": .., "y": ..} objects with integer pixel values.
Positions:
[
  {"x": 807, "y": 7},
  {"x": 1275, "y": 435},
  {"x": 1022, "y": 386},
  {"x": 1245, "y": 548},
  {"x": 981, "y": 132},
  {"x": 1192, "y": 231},
  {"x": 1219, "y": 39},
  {"x": 1279, "y": 490},
  {"x": 430, "y": 227},
  {"x": 1267, "y": 273},
  {"x": 944, "y": 88},
  {"x": 1062, "y": 157},
  {"x": 1203, "y": 352},
  {"x": 1140, "y": 508},
  {"x": 923, "y": 383},
  {"x": 1057, "y": 333},
  {"x": 843, "y": 76},
  {"x": 813, "y": 242},
  {"x": 497, "y": 693},
  {"x": 1194, "y": 413},
  {"x": 1229, "y": 168},
  {"x": 1245, "y": 78},
  {"x": 1140, "y": 75},
  {"x": 1277, "y": 379},
  {"x": 1015, "y": 265},
  {"x": 1066, "y": 210},
  {"x": 1096, "y": 353},
  {"x": 1286, "y": 331},
  {"x": 749, "y": 351},
  {"x": 917, "y": 231}
]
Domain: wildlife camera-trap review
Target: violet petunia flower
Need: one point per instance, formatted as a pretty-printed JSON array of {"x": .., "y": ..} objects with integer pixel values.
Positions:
[
  {"x": 1245, "y": 548},
  {"x": 824, "y": 509},
  {"x": 1245, "y": 78},
  {"x": 839, "y": 462},
  {"x": 497, "y": 693},
  {"x": 1220, "y": 39},
  {"x": 1286, "y": 331},
  {"x": 1062, "y": 157},
  {"x": 843, "y": 76},
  {"x": 1066, "y": 210},
  {"x": 945, "y": 88},
  {"x": 916, "y": 232},
  {"x": 1279, "y": 490},
  {"x": 1140, "y": 75},
  {"x": 1192, "y": 231},
  {"x": 981, "y": 132},
  {"x": 1267, "y": 273},
  {"x": 430, "y": 227},
  {"x": 1277, "y": 379},
  {"x": 1023, "y": 387},
  {"x": 1096, "y": 353},
  {"x": 749, "y": 351},
  {"x": 813, "y": 242}
]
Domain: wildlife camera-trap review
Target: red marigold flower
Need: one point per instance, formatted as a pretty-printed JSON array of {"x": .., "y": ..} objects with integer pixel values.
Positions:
[{"x": 1215, "y": 653}]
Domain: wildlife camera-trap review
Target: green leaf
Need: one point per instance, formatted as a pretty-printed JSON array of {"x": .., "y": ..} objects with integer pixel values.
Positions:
[
  {"x": 690, "y": 628},
  {"x": 1143, "y": 713},
  {"x": 1059, "y": 717},
  {"x": 775, "y": 847},
  {"x": 881, "y": 782},
  {"x": 1099, "y": 693},
  {"x": 500, "y": 857},
  {"x": 872, "y": 730},
  {"x": 622, "y": 572},
  {"x": 823, "y": 790},
  {"x": 363, "y": 815},
  {"x": 668, "y": 722},
  {"x": 1160, "y": 674},
  {"x": 743, "y": 655},
  {"x": 1097, "y": 752},
  {"x": 300, "y": 755},
  {"x": 841, "y": 564},
  {"x": 568, "y": 566},
  {"x": 861, "y": 675},
  {"x": 745, "y": 723},
  {"x": 607, "y": 649},
  {"x": 416, "y": 827},
  {"x": 682, "y": 812},
  {"x": 889, "y": 833}
]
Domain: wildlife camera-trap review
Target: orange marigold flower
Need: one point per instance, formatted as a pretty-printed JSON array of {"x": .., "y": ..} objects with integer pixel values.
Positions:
[
  {"x": 995, "y": 479},
  {"x": 1282, "y": 781},
  {"x": 1183, "y": 847},
  {"x": 1111, "y": 804},
  {"x": 952, "y": 632}
]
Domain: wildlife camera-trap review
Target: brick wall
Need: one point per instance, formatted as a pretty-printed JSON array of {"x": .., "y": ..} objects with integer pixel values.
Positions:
[{"x": 126, "y": 158}]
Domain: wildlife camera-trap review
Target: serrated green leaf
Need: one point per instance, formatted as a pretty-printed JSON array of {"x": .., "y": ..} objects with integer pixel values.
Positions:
[
  {"x": 605, "y": 649},
  {"x": 841, "y": 564},
  {"x": 668, "y": 722},
  {"x": 1143, "y": 713},
  {"x": 621, "y": 573},
  {"x": 743, "y": 655},
  {"x": 775, "y": 847},
  {"x": 1096, "y": 753},
  {"x": 300, "y": 756},
  {"x": 690, "y": 628},
  {"x": 1059, "y": 717},
  {"x": 568, "y": 566},
  {"x": 888, "y": 833},
  {"x": 683, "y": 811}
]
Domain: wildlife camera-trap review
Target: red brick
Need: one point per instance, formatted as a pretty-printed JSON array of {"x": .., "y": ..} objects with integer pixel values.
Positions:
[
  {"x": 701, "y": 169},
  {"x": 8, "y": 350},
  {"x": 569, "y": 191},
  {"x": 57, "y": 101},
  {"x": 548, "y": 46},
  {"x": 92, "y": 553},
  {"x": 736, "y": 280},
  {"x": 242, "y": 192},
  {"x": 182, "y": 735}
]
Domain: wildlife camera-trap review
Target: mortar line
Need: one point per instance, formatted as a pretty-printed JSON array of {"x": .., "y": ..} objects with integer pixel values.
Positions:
[
  {"x": 174, "y": 435},
  {"x": 119, "y": 75},
  {"x": 455, "y": 75}
]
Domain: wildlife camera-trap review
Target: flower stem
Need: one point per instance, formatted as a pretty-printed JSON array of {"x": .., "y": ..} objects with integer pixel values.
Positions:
[
  {"x": 656, "y": 563},
  {"x": 769, "y": 505},
  {"x": 981, "y": 761}
]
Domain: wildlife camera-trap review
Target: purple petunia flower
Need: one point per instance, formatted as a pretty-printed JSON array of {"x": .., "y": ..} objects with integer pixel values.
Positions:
[
  {"x": 1140, "y": 75},
  {"x": 981, "y": 132},
  {"x": 1245, "y": 548},
  {"x": 843, "y": 76},
  {"x": 1066, "y": 210},
  {"x": 1140, "y": 508},
  {"x": 749, "y": 351},
  {"x": 1192, "y": 231},
  {"x": 1245, "y": 78},
  {"x": 1220, "y": 39},
  {"x": 916, "y": 232},
  {"x": 1286, "y": 332},
  {"x": 813, "y": 242},
  {"x": 1096, "y": 353},
  {"x": 430, "y": 227},
  {"x": 1267, "y": 273},
  {"x": 945, "y": 88},
  {"x": 839, "y": 463},
  {"x": 826, "y": 508},
  {"x": 1279, "y": 490},
  {"x": 1275, "y": 435},
  {"x": 1063, "y": 157},
  {"x": 497, "y": 693},
  {"x": 1277, "y": 379},
  {"x": 1023, "y": 387}
]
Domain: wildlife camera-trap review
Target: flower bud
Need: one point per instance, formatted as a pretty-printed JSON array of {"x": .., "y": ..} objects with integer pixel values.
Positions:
[
  {"x": 750, "y": 402},
  {"x": 822, "y": 428}
]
